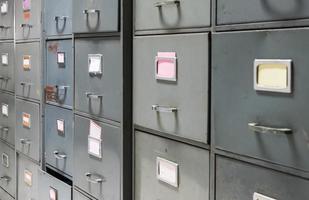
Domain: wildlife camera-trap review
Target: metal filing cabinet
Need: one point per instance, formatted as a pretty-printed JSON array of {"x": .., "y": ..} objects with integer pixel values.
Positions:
[
  {"x": 51, "y": 188},
  {"x": 171, "y": 14},
  {"x": 166, "y": 169},
  {"x": 28, "y": 18},
  {"x": 260, "y": 95},
  {"x": 7, "y": 19},
  {"x": 28, "y": 70},
  {"x": 253, "y": 182},
  {"x": 58, "y": 17},
  {"x": 28, "y": 186},
  {"x": 250, "y": 11},
  {"x": 97, "y": 158},
  {"x": 7, "y": 80},
  {"x": 4, "y": 195},
  {"x": 59, "y": 72},
  {"x": 7, "y": 169},
  {"x": 28, "y": 129},
  {"x": 170, "y": 86},
  {"x": 79, "y": 196},
  {"x": 98, "y": 77},
  {"x": 59, "y": 139},
  {"x": 95, "y": 16},
  {"x": 7, "y": 118}
]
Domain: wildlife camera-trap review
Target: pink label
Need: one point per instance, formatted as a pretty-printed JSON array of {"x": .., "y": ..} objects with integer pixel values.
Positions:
[
  {"x": 166, "y": 65},
  {"x": 26, "y": 5}
]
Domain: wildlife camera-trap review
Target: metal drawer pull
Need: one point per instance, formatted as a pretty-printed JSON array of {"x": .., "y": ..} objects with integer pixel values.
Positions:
[
  {"x": 62, "y": 87},
  {"x": 63, "y": 18},
  {"x": 25, "y": 84},
  {"x": 5, "y": 178},
  {"x": 59, "y": 156},
  {"x": 91, "y": 11},
  {"x": 26, "y": 25},
  {"x": 96, "y": 179},
  {"x": 264, "y": 129},
  {"x": 5, "y": 129},
  {"x": 25, "y": 142},
  {"x": 4, "y": 27},
  {"x": 166, "y": 3},
  {"x": 164, "y": 109},
  {"x": 93, "y": 96},
  {"x": 6, "y": 78}
]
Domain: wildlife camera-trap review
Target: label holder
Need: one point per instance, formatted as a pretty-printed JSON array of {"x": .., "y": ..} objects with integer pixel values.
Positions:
[
  {"x": 5, "y": 109},
  {"x": 5, "y": 160},
  {"x": 5, "y": 59},
  {"x": 171, "y": 179},
  {"x": 95, "y": 64},
  {"x": 163, "y": 56}
]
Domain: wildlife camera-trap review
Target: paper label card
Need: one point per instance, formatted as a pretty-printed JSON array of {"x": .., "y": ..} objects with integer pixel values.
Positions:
[
  {"x": 166, "y": 66},
  {"x": 60, "y": 127},
  {"x": 5, "y": 109},
  {"x": 26, "y": 120},
  {"x": 95, "y": 130},
  {"x": 94, "y": 147},
  {"x": 4, "y": 7},
  {"x": 61, "y": 58},
  {"x": 53, "y": 194},
  {"x": 95, "y": 64},
  {"x": 167, "y": 171},
  {"x": 27, "y": 62},
  {"x": 5, "y": 59},
  {"x": 28, "y": 178},
  {"x": 5, "y": 160}
]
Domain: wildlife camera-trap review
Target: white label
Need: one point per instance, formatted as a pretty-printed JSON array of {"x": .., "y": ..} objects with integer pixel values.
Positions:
[
  {"x": 5, "y": 109},
  {"x": 60, "y": 126},
  {"x": 5, "y": 59},
  {"x": 60, "y": 58},
  {"x": 167, "y": 171},
  {"x": 95, "y": 147},
  {"x": 26, "y": 120},
  {"x": 95, "y": 64},
  {"x": 4, "y": 7},
  {"x": 95, "y": 130},
  {"x": 27, "y": 62},
  {"x": 5, "y": 160},
  {"x": 52, "y": 194},
  {"x": 257, "y": 196},
  {"x": 28, "y": 177}
]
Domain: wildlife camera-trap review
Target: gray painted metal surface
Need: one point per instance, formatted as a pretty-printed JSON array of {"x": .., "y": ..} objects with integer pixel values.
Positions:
[
  {"x": 5, "y": 195},
  {"x": 193, "y": 169},
  {"x": 7, "y": 66},
  {"x": 79, "y": 196},
  {"x": 7, "y": 118},
  {"x": 176, "y": 107},
  {"x": 7, "y": 169},
  {"x": 7, "y": 20}
]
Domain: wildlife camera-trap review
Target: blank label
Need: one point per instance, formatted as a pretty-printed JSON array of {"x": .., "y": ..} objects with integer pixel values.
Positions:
[
  {"x": 167, "y": 171},
  {"x": 5, "y": 110},
  {"x": 61, "y": 58},
  {"x": 5, "y": 59},
  {"x": 4, "y": 7},
  {"x": 28, "y": 178},
  {"x": 60, "y": 126},
  {"x": 52, "y": 193},
  {"x": 95, "y": 147},
  {"x": 95, "y": 63}
]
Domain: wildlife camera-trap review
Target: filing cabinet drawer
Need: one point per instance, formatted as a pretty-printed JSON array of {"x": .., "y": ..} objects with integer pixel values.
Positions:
[
  {"x": 95, "y": 16},
  {"x": 166, "y": 169},
  {"x": 58, "y": 17},
  {"x": 260, "y": 106},
  {"x": 28, "y": 187},
  {"x": 51, "y": 188},
  {"x": 7, "y": 118},
  {"x": 97, "y": 158},
  {"x": 5, "y": 195},
  {"x": 28, "y": 19},
  {"x": 171, "y": 14},
  {"x": 60, "y": 72},
  {"x": 28, "y": 70},
  {"x": 59, "y": 138},
  {"x": 7, "y": 169},
  {"x": 7, "y": 19},
  {"x": 79, "y": 196},
  {"x": 170, "y": 84},
  {"x": 98, "y": 85},
  {"x": 252, "y": 182},
  {"x": 28, "y": 128},
  {"x": 7, "y": 66},
  {"x": 248, "y": 11}
]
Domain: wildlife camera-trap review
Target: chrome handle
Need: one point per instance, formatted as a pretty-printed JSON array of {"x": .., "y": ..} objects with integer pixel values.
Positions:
[
  {"x": 59, "y": 156},
  {"x": 62, "y": 87},
  {"x": 5, "y": 129},
  {"x": 264, "y": 129},
  {"x": 26, "y": 25},
  {"x": 25, "y": 84},
  {"x": 166, "y": 3},
  {"x": 165, "y": 109},
  {"x": 25, "y": 141},
  {"x": 4, "y": 27},
  {"x": 63, "y": 18},
  {"x": 5, "y": 178},
  {"x": 96, "y": 179},
  {"x": 93, "y": 96},
  {"x": 5, "y": 78},
  {"x": 91, "y": 11}
]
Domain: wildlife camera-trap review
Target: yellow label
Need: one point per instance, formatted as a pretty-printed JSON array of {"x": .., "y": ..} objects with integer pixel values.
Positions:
[{"x": 272, "y": 76}]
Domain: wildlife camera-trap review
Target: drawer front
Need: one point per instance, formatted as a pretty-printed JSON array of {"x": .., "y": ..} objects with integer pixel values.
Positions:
[
  {"x": 97, "y": 176},
  {"x": 92, "y": 16},
  {"x": 28, "y": 128},
  {"x": 79, "y": 196},
  {"x": 28, "y": 70},
  {"x": 60, "y": 71},
  {"x": 5, "y": 195},
  {"x": 248, "y": 11},
  {"x": 165, "y": 169},
  {"x": 247, "y": 121},
  {"x": 7, "y": 19},
  {"x": 59, "y": 138},
  {"x": 7, "y": 80},
  {"x": 28, "y": 19},
  {"x": 99, "y": 94},
  {"x": 51, "y": 188},
  {"x": 7, "y": 169},
  {"x": 178, "y": 106},
  {"x": 249, "y": 181},
  {"x": 58, "y": 17},
  {"x": 28, "y": 187},
  {"x": 175, "y": 14},
  {"x": 7, "y": 118}
]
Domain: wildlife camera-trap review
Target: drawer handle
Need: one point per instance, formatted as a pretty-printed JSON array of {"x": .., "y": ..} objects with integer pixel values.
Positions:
[
  {"x": 5, "y": 78},
  {"x": 4, "y": 27},
  {"x": 91, "y": 11},
  {"x": 60, "y": 156},
  {"x": 164, "y": 109},
  {"x": 93, "y": 96},
  {"x": 5, "y": 178},
  {"x": 63, "y": 18},
  {"x": 26, "y": 26},
  {"x": 62, "y": 87},
  {"x": 25, "y": 142},
  {"x": 96, "y": 179},
  {"x": 25, "y": 84},
  {"x": 264, "y": 129},
  {"x": 166, "y": 3},
  {"x": 4, "y": 129}
]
